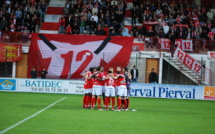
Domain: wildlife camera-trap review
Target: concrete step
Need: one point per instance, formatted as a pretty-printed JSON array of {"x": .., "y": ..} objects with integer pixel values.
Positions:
[{"x": 52, "y": 18}]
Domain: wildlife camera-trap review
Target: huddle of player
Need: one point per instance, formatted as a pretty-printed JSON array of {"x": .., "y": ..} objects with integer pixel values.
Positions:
[{"x": 108, "y": 84}]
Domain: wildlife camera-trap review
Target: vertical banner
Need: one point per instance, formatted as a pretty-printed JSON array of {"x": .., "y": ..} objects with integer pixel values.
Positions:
[
  {"x": 10, "y": 53},
  {"x": 188, "y": 60},
  {"x": 187, "y": 45}
]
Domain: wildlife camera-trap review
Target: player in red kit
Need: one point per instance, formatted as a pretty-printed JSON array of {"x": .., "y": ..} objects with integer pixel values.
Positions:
[
  {"x": 88, "y": 87},
  {"x": 97, "y": 87},
  {"x": 103, "y": 85},
  {"x": 110, "y": 90},
  {"x": 122, "y": 90}
]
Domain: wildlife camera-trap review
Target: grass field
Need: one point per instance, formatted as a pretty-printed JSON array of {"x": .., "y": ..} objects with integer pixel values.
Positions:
[{"x": 153, "y": 116}]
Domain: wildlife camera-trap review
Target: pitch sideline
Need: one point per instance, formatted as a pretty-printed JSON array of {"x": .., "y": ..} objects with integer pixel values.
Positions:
[{"x": 20, "y": 122}]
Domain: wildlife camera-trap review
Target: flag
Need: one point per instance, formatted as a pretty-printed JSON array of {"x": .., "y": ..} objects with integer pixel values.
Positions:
[
  {"x": 69, "y": 56},
  {"x": 10, "y": 53}
]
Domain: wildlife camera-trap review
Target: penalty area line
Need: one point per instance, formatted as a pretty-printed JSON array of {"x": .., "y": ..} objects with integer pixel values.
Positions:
[{"x": 20, "y": 122}]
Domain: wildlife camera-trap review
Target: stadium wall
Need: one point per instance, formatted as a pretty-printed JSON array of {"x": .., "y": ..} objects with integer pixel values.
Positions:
[{"x": 137, "y": 89}]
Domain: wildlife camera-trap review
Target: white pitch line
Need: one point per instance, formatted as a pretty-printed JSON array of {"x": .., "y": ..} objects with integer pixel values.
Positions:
[{"x": 20, "y": 122}]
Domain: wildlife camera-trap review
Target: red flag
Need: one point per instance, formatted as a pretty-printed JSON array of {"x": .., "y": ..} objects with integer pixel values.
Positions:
[
  {"x": 10, "y": 53},
  {"x": 68, "y": 56}
]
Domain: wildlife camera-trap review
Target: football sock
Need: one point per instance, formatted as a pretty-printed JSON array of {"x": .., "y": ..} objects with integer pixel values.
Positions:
[
  {"x": 84, "y": 100},
  {"x": 128, "y": 102},
  {"x": 107, "y": 101},
  {"x": 125, "y": 104},
  {"x": 113, "y": 102},
  {"x": 119, "y": 103},
  {"x": 93, "y": 102},
  {"x": 99, "y": 103}
]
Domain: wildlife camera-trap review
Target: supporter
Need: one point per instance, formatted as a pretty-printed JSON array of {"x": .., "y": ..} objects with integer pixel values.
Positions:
[
  {"x": 3, "y": 24},
  {"x": 112, "y": 33},
  {"x": 134, "y": 14},
  {"x": 75, "y": 28},
  {"x": 25, "y": 35},
  {"x": 93, "y": 26},
  {"x": 134, "y": 30},
  {"x": 95, "y": 17},
  {"x": 150, "y": 34},
  {"x": 210, "y": 14},
  {"x": 125, "y": 31},
  {"x": 100, "y": 30},
  {"x": 166, "y": 29},
  {"x": 82, "y": 25},
  {"x": 62, "y": 23},
  {"x": 95, "y": 10},
  {"x": 68, "y": 29}
]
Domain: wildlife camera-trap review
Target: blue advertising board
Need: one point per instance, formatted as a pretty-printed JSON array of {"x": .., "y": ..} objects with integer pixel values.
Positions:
[
  {"x": 166, "y": 91},
  {"x": 8, "y": 84}
]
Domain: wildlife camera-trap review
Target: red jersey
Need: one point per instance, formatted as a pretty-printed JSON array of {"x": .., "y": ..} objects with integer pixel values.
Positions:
[
  {"x": 96, "y": 81},
  {"x": 121, "y": 80},
  {"x": 104, "y": 74},
  {"x": 68, "y": 30},
  {"x": 89, "y": 82},
  {"x": 110, "y": 81},
  {"x": 62, "y": 21}
]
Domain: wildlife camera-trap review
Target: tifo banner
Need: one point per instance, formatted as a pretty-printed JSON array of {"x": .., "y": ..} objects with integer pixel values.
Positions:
[
  {"x": 50, "y": 86},
  {"x": 185, "y": 45},
  {"x": 209, "y": 93},
  {"x": 166, "y": 91},
  {"x": 211, "y": 55},
  {"x": 8, "y": 84},
  {"x": 188, "y": 60},
  {"x": 68, "y": 56},
  {"x": 10, "y": 53}
]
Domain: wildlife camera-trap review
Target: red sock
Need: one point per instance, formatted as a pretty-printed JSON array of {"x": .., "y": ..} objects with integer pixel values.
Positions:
[
  {"x": 93, "y": 102},
  {"x": 128, "y": 102},
  {"x": 87, "y": 101},
  {"x": 119, "y": 103},
  {"x": 104, "y": 101},
  {"x": 99, "y": 103},
  {"x": 113, "y": 102},
  {"x": 90, "y": 99},
  {"x": 125, "y": 104},
  {"x": 122, "y": 103},
  {"x": 107, "y": 99},
  {"x": 84, "y": 100}
]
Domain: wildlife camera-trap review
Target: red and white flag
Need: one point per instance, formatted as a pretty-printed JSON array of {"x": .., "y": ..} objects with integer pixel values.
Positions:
[
  {"x": 68, "y": 56},
  {"x": 188, "y": 60},
  {"x": 211, "y": 55}
]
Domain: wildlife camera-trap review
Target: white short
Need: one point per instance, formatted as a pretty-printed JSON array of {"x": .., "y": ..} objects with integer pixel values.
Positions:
[
  {"x": 103, "y": 89},
  {"x": 87, "y": 91},
  {"x": 97, "y": 90},
  {"x": 110, "y": 91},
  {"x": 116, "y": 90},
  {"x": 122, "y": 90}
]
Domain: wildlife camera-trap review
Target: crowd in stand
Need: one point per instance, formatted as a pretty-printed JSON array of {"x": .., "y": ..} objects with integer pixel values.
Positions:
[
  {"x": 23, "y": 16},
  {"x": 97, "y": 17},
  {"x": 157, "y": 18}
]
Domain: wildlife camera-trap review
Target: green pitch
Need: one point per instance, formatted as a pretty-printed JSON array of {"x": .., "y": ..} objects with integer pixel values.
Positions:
[{"x": 153, "y": 116}]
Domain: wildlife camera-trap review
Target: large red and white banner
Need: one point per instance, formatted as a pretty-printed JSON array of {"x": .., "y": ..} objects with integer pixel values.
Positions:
[
  {"x": 211, "y": 55},
  {"x": 68, "y": 56},
  {"x": 188, "y": 60},
  {"x": 10, "y": 53},
  {"x": 185, "y": 45}
]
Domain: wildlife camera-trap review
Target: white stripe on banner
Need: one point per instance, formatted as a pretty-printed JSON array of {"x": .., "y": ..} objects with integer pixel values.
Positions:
[{"x": 20, "y": 122}]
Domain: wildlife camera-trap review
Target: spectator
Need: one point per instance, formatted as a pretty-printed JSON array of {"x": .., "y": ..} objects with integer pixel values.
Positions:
[
  {"x": 134, "y": 15},
  {"x": 93, "y": 26},
  {"x": 95, "y": 10},
  {"x": 62, "y": 22},
  {"x": 82, "y": 25},
  {"x": 43, "y": 73},
  {"x": 153, "y": 77},
  {"x": 112, "y": 33},
  {"x": 134, "y": 31},
  {"x": 25, "y": 35},
  {"x": 33, "y": 73},
  {"x": 75, "y": 29},
  {"x": 100, "y": 30},
  {"x": 166, "y": 29},
  {"x": 125, "y": 31},
  {"x": 150, "y": 34},
  {"x": 210, "y": 15},
  {"x": 68, "y": 29},
  {"x": 95, "y": 17},
  {"x": 134, "y": 74},
  {"x": 3, "y": 24}
]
